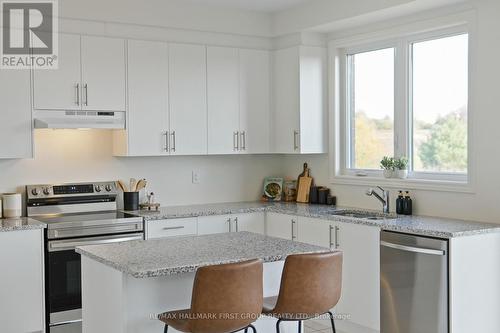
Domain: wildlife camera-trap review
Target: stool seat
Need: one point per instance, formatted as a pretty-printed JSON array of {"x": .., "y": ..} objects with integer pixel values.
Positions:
[
  {"x": 310, "y": 287},
  {"x": 226, "y": 298}
]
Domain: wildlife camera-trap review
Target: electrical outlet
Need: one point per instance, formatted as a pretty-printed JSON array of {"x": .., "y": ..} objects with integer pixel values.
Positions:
[{"x": 196, "y": 177}]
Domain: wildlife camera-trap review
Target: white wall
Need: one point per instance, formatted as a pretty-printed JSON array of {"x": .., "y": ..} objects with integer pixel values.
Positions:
[
  {"x": 86, "y": 155},
  {"x": 484, "y": 204}
]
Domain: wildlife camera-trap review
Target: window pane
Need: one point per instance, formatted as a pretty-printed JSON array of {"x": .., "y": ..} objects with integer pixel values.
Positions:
[
  {"x": 440, "y": 92},
  {"x": 371, "y": 105}
]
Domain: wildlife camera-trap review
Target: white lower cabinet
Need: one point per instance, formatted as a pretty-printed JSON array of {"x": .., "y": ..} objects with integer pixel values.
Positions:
[
  {"x": 281, "y": 226},
  {"x": 360, "y": 272},
  {"x": 171, "y": 228},
  {"x": 252, "y": 222},
  {"x": 22, "y": 281}
]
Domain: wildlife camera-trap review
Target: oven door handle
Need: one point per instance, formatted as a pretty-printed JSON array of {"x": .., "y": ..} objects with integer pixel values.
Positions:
[{"x": 71, "y": 244}]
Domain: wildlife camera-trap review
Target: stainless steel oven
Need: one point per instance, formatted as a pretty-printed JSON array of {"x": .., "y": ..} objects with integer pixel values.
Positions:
[{"x": 76, "y": 215}]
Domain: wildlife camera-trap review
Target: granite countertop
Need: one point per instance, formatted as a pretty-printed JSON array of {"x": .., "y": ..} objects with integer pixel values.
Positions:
[
  {"x": 160, "y": 257},
  {"x": 20, "y": 223},
  {"x": 418, "y": 225}
]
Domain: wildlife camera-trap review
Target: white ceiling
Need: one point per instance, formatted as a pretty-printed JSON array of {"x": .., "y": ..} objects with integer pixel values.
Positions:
[{"x": 269, "y": 6}]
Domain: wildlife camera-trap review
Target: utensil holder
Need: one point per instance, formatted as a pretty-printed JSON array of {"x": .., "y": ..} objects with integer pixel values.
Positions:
[{"x": 131, "y": 200}]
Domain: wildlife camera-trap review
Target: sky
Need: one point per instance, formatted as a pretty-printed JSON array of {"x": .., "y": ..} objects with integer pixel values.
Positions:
[{"x": 440, "y": 79}]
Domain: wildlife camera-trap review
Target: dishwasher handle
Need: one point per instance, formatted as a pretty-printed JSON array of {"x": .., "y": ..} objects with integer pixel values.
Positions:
[{"x": 413, "y": 249}]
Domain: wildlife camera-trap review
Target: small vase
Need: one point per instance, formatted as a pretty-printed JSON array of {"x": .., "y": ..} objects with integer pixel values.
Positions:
[
  {"x": 402, "y": 174},
  {"x": 388, "y": 173}
]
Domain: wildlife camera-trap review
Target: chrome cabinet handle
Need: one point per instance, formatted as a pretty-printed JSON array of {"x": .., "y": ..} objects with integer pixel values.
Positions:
[
  {"x": 236, "y": 223},
  {"x": 243, "y": 136},
  {"x": 293, "y": 230},
  {"x": 229, "y": 224},
  {"x": 167, "y": 142},
  {"x": 235, "y": 141},
  {"x": 86, "y": 87},
  {"x": 174, "y": 228},
  {"x": 295, "y": 140},
  {"x": 337, "y": 245},
  {"x": 330, "y": 236},
  {"x": 173, "y": 142},
  {"x": 77, "y": 88}
]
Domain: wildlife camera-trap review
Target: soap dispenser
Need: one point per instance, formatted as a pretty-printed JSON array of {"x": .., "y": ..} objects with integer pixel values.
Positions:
[
  {"x": 407, "y": 204},
  {"x": 400, "y": 204}
]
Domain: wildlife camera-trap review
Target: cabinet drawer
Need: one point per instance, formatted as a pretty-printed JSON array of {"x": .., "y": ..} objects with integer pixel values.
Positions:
[{"x": 171, "y": 228}]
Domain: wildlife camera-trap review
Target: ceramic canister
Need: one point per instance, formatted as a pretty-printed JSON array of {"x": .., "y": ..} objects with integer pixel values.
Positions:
[{"x": 12, "y": 205}]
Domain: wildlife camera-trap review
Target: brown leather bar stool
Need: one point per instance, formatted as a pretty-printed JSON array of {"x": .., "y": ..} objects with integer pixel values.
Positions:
[
  {"x": 226, "y": 298},
  {"x": 310, "y": 286}
]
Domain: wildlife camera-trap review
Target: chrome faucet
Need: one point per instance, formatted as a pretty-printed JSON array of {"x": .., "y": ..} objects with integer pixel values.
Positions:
[{"x": 384, "y": 199}]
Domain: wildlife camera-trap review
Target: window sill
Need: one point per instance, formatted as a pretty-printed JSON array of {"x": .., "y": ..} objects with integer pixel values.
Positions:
[{"x": 405, "y": 184}]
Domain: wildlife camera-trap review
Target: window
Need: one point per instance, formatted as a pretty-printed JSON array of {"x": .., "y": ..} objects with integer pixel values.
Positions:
[
  {"x": 407, "y": 98},
  {"x": 371, "y": 107}
]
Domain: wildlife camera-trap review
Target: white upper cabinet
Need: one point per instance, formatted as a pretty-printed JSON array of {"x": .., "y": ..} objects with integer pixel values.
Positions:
[
  {"x": 188, "y": 99},
  {"x": 60, "y": 89},
  {"x": 91, "y": 76},
  {"x": 223, "y": 100},
  {"x": 148, "y": 119},
  {"x": 103, "y": 73},
  {"x": 299, "y": 118},
  {"x": 15, "y": 114},
  {"x": 255, "y": 101}
]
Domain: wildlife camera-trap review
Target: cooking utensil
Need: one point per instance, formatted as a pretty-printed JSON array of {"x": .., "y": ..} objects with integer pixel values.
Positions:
[
  {"x": 122, "y": 186},
  {"x": 304, "y": 185},
  {"x": 133, "y": 184},
  {"x": 141, "y": 184}
]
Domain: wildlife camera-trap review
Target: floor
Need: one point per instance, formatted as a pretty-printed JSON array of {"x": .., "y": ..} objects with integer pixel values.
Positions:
[{"x": 318, "y": 326}]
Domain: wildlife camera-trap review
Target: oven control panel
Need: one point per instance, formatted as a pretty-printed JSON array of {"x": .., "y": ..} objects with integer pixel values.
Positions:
[{"x": 68, "y": 190}]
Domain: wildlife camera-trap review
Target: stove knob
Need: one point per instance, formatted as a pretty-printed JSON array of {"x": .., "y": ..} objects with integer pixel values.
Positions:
[
  {"x": 108, "y": 188},
  {"x": 35, "y": 191},
  {"x": 98, "y": 188},
  {"x": 46, "y": 191}
]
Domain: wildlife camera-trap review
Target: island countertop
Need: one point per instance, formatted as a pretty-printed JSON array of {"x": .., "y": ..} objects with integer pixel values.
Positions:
[
  {"x": 20, "y": 223},
  {"x": 160, "y": 257}
]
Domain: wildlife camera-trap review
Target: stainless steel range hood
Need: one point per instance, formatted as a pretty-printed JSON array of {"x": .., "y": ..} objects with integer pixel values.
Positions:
[{"x": 79, "y": 119}]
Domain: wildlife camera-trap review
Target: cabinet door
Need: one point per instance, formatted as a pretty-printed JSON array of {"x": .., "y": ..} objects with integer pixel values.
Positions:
[
  {"x": 60, "y": 89},
  {"x": 252, "y": 222},
  {"x": 316, "y": 232},
  {"x": 21, "y": 290},
  {"x": 215, "y": 224},
  {"x": 147, "y": 125},
  {"x": 313, "y": 124},
  {"x": 255, "y": 120},
  {"x": 103, "y": 73},
  {"x": 286, "y": 101},
  {"x": 223, "y": 100},
  {"x": 188, "y": 99},
  {"x": 15, "y": 114},
  {"x": 281, "y": 226},
  {"x": 360, "y": 274}
]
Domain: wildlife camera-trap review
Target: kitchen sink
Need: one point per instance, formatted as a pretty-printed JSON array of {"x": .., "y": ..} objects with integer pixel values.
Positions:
[{"x": 364, "y": 215}]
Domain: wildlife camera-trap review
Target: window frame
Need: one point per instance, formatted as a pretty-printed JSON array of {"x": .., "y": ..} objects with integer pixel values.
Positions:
[{"x": 403, "y": 115}]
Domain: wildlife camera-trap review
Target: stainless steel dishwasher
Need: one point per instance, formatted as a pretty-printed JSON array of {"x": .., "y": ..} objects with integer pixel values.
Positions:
[{"x": 413, "y": 284}]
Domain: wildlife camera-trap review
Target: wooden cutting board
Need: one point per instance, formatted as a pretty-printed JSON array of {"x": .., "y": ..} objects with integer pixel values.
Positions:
[{"x": 304, "y": 185}]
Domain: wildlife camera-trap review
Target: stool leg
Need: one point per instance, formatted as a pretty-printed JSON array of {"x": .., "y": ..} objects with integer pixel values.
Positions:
[
  {"x": 166, "y": 329},
  {"x": 278, "y": 326},
  {"x": 246, "y": 329},
  {"x": 300, "y": 326},
  {"x": 333, "y": 323},
  {"x": 254, "y": 330}
]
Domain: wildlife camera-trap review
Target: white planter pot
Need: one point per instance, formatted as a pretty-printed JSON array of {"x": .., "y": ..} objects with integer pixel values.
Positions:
[
  {"x": 388, "y": 173},
  {"x": 402, "y": 174}
]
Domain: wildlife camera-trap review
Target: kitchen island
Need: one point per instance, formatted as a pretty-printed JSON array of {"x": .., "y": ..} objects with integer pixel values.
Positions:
[{"x": 126, "y": 285}]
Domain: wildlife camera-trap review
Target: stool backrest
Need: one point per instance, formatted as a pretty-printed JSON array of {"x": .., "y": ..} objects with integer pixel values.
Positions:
[
  {"x": 227, "y": 297},
  {"x": 310, "y": 285}
]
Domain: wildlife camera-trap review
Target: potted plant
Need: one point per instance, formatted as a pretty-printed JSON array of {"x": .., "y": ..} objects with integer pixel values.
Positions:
[
  {"x": 387, "y": 164},
  {"x": 401, "y": 167}
]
